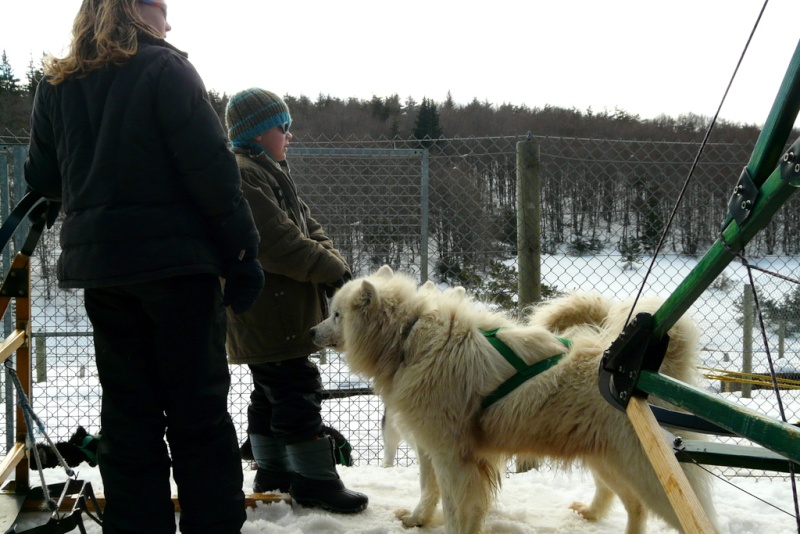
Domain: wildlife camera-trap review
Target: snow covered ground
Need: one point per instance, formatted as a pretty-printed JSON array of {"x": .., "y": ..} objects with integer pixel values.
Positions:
[{"x": 529, "y": 503}]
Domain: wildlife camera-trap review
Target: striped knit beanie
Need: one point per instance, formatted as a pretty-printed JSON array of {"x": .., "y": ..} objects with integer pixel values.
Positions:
[{"x": 252, "y": 112}]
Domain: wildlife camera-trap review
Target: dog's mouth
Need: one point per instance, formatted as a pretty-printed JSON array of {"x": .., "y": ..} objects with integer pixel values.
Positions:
[{"x": 321, "y": 345}]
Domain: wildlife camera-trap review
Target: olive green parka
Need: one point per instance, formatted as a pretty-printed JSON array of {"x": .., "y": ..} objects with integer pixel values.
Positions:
[{"x": 298, "y": 258}]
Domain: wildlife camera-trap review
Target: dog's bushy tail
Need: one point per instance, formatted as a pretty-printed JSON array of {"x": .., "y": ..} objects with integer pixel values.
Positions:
[
  {"x": 561, "y": 314},
  {"x": 577, "y": 310}
]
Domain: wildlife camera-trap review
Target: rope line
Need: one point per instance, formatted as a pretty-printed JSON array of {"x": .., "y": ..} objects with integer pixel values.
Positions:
[
  {"x": 32, "y": 421},
  {"x": 748, "y": 378}
]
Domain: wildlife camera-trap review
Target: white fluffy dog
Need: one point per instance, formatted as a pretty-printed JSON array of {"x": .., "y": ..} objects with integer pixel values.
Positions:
[{"x": 428, "y": 359}]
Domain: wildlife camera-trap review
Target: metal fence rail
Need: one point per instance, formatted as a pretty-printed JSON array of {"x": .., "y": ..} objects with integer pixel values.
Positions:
[{"x": 447, "y": 212}]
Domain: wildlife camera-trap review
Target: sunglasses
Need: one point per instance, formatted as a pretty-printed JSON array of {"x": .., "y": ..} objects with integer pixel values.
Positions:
[
  {"x": 157, "y": 3},
  {"x": 284, "y": 127}
]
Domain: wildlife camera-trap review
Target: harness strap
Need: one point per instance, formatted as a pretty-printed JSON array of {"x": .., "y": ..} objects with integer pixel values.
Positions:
[
  {"x": 524, "y": 371},
  {"x": 84, "y": 449}
]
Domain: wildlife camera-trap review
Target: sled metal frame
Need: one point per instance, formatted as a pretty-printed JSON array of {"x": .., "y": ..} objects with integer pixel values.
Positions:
[{"x": 629, "y": 371}]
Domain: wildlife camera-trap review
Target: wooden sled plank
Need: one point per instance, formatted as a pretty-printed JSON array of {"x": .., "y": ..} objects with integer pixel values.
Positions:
[
  {"x": 681, "y": 496},
  {"x": 14, "y": 341},
  {"x": 251, "y": 500},
  {"x": 14, "y": 456}
]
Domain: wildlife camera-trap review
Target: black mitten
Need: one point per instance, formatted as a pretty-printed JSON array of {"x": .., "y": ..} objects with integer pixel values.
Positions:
[
  {"x": 346, "y": 277},
  {"x": 53, "y": 209},
  {"x": 244, "y": 280},
  {"x": 331, "y": 288},
  {"x": 50, "y": 214}
]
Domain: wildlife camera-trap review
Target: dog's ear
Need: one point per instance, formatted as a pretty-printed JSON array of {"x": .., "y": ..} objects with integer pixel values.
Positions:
[
  {"x": 385, "y": 272},
  {"x": 78, "y": 437},
  {"x": 369, "y": 294}
]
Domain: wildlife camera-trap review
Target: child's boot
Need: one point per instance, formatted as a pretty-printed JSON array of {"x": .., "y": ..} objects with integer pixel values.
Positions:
[
  {"x": 273, "y": 470},
  {"x": 315, "y": 482}
]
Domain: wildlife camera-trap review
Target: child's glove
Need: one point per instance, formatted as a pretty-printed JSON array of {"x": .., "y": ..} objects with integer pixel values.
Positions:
[
  {"x": 244, "y": 280},
  {"x": 331, "y": 288}
]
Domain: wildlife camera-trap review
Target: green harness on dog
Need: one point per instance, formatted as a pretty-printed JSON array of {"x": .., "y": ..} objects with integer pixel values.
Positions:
[{"x": 524, "y": 371}]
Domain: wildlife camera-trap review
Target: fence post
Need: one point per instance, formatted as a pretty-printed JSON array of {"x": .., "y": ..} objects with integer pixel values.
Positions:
[
  {"x": 747, "y": 338},
  {"x": 40, "y": 353},
  {"x": 424, "y": 217},
  {"x": 8, "y": 326},
  {"x": 529, "y": 234}
]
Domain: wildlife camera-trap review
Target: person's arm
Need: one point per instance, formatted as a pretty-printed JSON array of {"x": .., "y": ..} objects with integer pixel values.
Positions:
[
  {"x": 41, "y": 170},
  {"x": 284, "y": 249},
  {"x": 204, "y": 162}
]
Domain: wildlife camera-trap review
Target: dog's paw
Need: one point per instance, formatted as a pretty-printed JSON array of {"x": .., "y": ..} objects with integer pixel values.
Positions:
[
  {"x": 585, "y": 511},
  {"x": 408, "y": 519}
]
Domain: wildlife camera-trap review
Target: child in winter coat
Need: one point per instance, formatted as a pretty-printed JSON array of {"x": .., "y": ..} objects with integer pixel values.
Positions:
[{"x": 274, "y": 336}]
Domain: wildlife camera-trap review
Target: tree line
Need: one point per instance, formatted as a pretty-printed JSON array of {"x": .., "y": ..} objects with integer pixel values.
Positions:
[{"x": 392, "y": 117}]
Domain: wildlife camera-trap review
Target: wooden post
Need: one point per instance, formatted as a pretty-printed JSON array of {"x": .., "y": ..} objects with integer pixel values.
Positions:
[
  {"x": 529, "y": 233},
  {"x": 41, "y": 360},
  {"x": 23, "y": 363},
  {"x": 747, "y": 337},
  {"x": 781, "y": 337}
]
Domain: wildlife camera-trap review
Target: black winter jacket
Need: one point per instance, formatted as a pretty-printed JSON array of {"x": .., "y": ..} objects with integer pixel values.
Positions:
[{"x": 140, "y": 161}]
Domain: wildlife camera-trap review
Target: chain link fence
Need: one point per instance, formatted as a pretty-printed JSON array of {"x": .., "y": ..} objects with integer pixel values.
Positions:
[{"x": 446, "y": 210}]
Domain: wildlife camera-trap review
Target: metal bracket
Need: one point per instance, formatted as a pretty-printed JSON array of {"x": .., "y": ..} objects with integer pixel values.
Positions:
[
  {"x": 743, "y": 199},
  {"x": 634, "y": 350},
  {"x": 790, "y": 165},
  {"x": 16, "y": 284}
]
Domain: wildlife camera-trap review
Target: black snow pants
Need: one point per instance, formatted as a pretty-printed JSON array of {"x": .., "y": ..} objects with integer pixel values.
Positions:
[
  {"x": 160, "y": 352},
  {"x": 286, "y": 400}
]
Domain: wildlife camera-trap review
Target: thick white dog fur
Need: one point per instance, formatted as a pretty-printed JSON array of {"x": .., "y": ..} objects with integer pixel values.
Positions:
[{"x": 427, "y": 358}]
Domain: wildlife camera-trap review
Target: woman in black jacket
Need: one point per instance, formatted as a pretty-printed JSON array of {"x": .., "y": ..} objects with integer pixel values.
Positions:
[{"x": 124, "y": 137}]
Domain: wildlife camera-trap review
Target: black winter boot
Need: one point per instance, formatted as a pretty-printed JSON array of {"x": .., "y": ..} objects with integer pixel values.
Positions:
[
  {"x": 315, "y": 482},
  {"x": 273, "y": 470},
  {"x": 267, "y": 481}
]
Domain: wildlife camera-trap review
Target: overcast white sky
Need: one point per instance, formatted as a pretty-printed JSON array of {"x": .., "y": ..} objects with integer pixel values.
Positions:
[{"x": 642, "y": 56}]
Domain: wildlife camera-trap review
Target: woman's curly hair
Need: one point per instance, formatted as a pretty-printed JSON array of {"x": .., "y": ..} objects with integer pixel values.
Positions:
[{"x": 104, "y": 31}]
